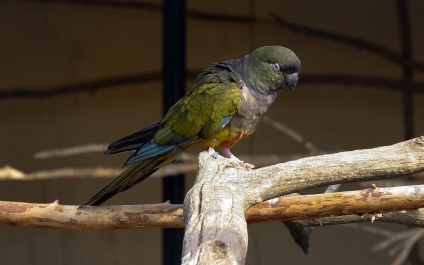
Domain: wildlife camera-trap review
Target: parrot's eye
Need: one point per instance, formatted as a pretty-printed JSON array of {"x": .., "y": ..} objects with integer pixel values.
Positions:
[{"x": 276, "y": 66}]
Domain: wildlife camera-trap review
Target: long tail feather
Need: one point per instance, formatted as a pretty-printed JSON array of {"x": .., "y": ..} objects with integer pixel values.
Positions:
[
  {"x": 115, "y": 186},
  {"x": 133, "y": 141},
  {"x": 133, "y": 174}
]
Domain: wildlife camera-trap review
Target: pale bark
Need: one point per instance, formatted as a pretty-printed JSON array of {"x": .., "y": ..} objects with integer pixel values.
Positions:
[{"x": 216, "y": 230}]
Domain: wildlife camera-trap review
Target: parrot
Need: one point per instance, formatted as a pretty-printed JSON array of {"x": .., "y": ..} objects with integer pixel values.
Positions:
[{"x": 225, "y": 105}]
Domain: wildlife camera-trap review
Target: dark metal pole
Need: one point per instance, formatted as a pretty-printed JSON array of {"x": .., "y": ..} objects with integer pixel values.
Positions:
[
  {"x": 407, "y": 70},
  {"x": 174, "y": 73}
]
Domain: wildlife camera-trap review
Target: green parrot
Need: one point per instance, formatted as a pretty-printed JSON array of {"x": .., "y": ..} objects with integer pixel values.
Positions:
[{"x": 226, "y": 103}]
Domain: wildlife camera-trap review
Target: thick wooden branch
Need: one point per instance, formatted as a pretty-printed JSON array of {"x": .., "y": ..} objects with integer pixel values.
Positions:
[
  {"x": 216, "y": 230},
  {"x": 383, "y": 204},
  {"x": 360, "y": 165}
]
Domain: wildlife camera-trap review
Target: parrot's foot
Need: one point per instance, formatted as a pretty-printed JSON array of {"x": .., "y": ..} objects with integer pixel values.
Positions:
[
  {"x": 213, "y": 153},
  {"x": 241, "y": 163},
  {"x": 227, "y": 153}
]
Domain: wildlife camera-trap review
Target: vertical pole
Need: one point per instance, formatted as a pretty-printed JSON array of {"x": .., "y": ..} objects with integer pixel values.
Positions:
[
  {"x": 407, "y": 71},
  {"x": 174, "y": 73},
  {"x": 407, "y": 92}
]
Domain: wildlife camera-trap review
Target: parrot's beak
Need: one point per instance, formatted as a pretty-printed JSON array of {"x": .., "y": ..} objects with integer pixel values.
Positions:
[{"x": 291, "y": 80}]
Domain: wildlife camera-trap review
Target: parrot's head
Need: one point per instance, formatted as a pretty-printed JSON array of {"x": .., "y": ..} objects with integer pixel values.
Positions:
[{"x": 271, "y": 68}]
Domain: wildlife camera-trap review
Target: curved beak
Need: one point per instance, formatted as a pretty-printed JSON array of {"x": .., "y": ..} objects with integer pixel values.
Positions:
[{"x": 291, "y": 80}]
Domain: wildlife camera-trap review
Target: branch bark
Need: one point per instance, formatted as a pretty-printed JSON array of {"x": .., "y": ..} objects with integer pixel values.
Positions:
[
  {"x": 216, "y": 230},
  {"x": 215, "y": 209},
  {"x": 381, "y": 204}
]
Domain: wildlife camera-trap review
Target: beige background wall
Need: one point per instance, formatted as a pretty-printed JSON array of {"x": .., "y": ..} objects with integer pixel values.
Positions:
[{"x": 44, "y": 45}]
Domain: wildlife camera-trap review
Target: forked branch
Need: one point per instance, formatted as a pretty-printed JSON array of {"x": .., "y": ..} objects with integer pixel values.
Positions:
[{"x": 214, "y": 209}]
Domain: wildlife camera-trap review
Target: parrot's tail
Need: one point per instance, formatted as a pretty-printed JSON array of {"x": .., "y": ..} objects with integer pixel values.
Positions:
[
  {"x": 133, "y": 174},
  {"x": 133, "y": 141}
]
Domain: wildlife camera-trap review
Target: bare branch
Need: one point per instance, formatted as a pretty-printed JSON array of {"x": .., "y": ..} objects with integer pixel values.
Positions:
[
  {"x": 360, "y": 165},
  {"x": 361, "y": 81},
  {"x": 373, "y": 47},
  {"x": 8, "y": 172},
  {"x": 399, "y": 244},
  {"x": 214, "y": 209},
  {"x": 70, "y": 172},
  {"x": 310, "y": 208},
  {"x": 291, "y": 133},
  {"x": 87, "y": 86},
  {"x": 71, "y": 151},
  {"x": 54, "y": 215},
  {"x": 393, "y": 238},
  {"x": 404, "y": 248},
  {"x": 342, "y": 203}
]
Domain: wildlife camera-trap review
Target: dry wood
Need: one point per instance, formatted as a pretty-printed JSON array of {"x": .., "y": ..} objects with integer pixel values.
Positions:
[
  {"x": 383, "y": 204},
  {"x": 216, "y": 230},
  {"x": 71, "y": 151},
  {"x": 8, "y": 172}
]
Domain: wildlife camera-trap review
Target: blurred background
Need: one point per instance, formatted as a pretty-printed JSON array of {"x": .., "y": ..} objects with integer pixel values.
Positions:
[{"x": 85, "y": 73}]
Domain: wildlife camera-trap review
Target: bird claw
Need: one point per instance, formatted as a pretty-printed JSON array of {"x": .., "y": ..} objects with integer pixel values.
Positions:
[
  {"x": 227, "y": 154},
  {"x": 242, "y": 163},
  {"x": 247, "y": 165}
]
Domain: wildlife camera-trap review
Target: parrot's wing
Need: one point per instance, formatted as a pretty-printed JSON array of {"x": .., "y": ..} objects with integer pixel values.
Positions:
[
  {"x": 197, "y": 116},
  {"x": 133, "y": 141}
]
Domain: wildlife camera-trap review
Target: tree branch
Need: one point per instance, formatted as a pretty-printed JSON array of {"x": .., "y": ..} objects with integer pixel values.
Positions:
[
  {"x": 383, "y": 204},
  {"x": 216, "y": 230},
  {"x": 357, "y": 42},
  {"x": 215, "y": 208}
]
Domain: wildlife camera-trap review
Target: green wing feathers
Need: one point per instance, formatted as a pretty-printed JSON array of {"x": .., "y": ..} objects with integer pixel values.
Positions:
[{"x": 201, "y": 112}]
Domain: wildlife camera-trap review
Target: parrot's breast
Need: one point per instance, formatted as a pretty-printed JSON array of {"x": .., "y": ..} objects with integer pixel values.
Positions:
[
  {"x": 228, "y": 136},
  {"x": 244, "y": 121},
  {"x": 252, "y": 108}
]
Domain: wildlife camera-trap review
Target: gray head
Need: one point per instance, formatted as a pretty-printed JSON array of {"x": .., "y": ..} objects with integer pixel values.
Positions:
[{"x": 271, "y": 68}]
